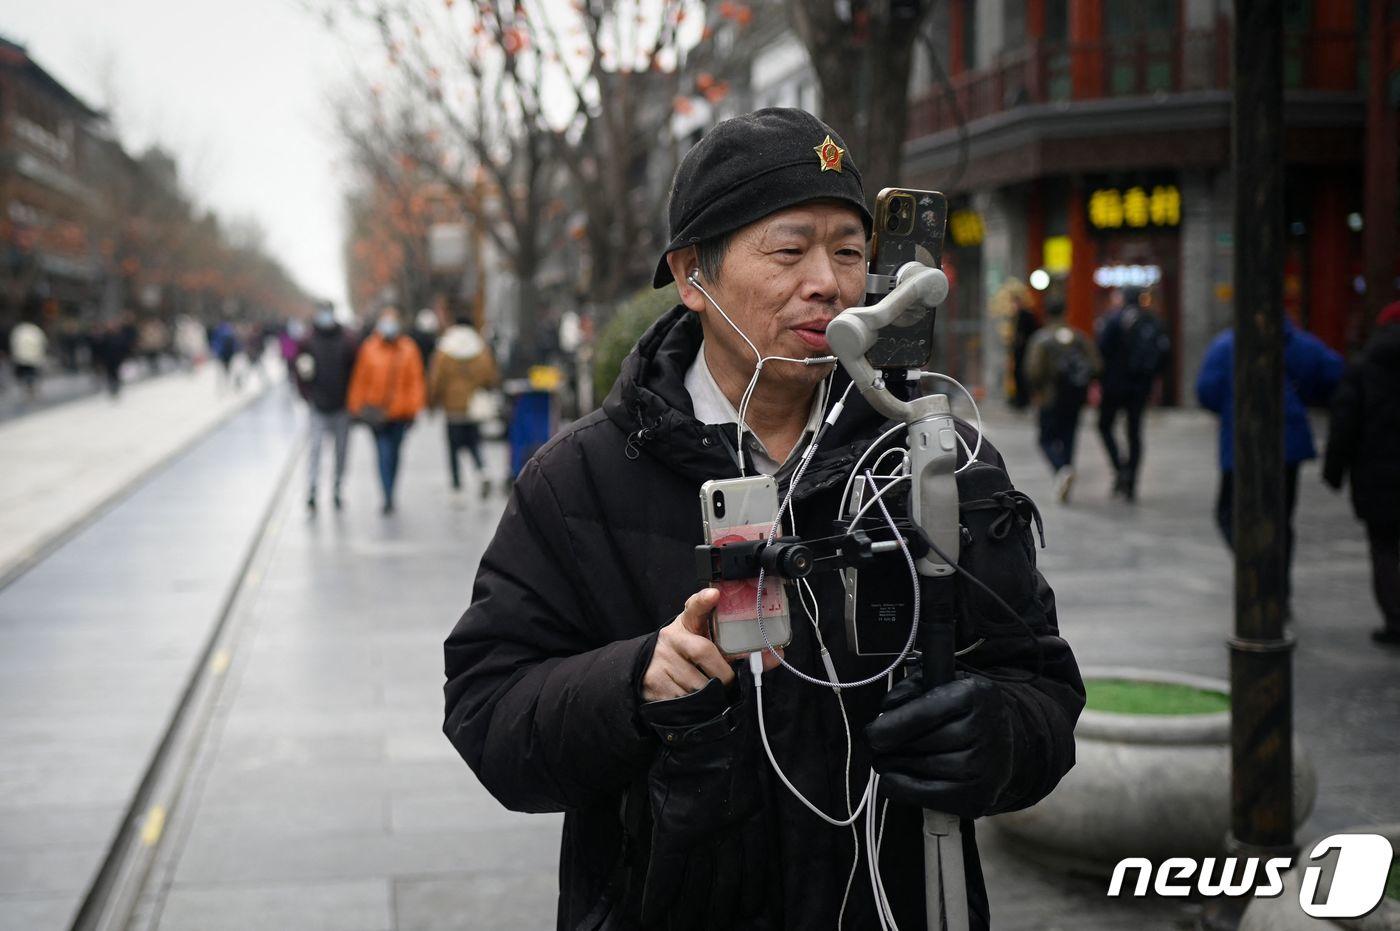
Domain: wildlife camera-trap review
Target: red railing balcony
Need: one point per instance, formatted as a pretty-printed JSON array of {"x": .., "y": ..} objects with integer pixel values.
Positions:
[{"x": 1174, "y": 62}]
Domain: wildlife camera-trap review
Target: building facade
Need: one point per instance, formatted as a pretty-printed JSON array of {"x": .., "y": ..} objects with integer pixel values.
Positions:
[
  {"x": 1089, "y": 141},
  {"x": 52, "y": 149}
]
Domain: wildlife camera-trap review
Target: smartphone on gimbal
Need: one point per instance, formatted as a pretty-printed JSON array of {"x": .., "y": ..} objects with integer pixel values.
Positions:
[
  {"x": 909, "y": 227},
  {"x": 736, "y": 510}
]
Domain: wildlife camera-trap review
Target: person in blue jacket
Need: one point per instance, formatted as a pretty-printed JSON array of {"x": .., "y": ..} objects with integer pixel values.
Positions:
[{"x": 1311, "y": 373}]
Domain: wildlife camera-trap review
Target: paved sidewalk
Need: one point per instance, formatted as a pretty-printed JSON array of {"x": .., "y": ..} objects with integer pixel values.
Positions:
[
  {"x": 57, "y": 386},
  {"x": 63, "y": 464},
  {"x": 1151, "y": 584},
  {"x": 99, "y": 639},
  {"x": 326, "y": 795}
]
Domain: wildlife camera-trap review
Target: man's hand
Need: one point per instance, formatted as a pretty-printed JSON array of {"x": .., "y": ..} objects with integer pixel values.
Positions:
[
  {"x": 948, "y": 749},
  {"x": 685, "y": 658}
]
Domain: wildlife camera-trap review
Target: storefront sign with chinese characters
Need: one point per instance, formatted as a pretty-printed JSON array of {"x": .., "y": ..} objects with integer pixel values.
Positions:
[
  {"x": 1136, "y": 207},
  {"x": 965, "y": 228}
]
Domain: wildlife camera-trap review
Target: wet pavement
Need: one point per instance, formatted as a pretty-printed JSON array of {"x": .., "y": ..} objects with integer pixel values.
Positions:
[
  {"x": 323, "y": 793},
  {"x": 96, "y": 644}
]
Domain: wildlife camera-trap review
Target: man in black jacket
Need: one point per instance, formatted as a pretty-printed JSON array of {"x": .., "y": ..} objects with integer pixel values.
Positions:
[
  {"x": 1134, "y": 348},
  {"x": 1364, "y": 440},
  {"x": 580, "y": 680},
  {"x": 323, "y": 365}
]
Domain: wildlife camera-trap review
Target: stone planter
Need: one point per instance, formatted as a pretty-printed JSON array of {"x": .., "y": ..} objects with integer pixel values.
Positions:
[
  {"x": 1283, "y": 914},
  {"x": 1150, "y": 785}
]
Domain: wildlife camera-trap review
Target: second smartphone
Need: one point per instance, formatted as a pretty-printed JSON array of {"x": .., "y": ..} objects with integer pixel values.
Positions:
[{"x": 735, "y": 510}]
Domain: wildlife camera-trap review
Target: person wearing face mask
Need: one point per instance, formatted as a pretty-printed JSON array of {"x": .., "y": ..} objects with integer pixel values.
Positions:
[
  {"x": 581, "y": 679},
  {"x": 386, "y": 393},
  {"x": 324, "y": 359}
]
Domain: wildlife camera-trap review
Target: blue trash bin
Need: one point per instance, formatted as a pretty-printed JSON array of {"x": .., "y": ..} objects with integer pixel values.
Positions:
[{"x": 531, "y": 425}]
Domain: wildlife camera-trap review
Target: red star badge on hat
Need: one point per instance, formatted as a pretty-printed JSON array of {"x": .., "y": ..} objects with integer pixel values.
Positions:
[{"x": 829, "y": 154}]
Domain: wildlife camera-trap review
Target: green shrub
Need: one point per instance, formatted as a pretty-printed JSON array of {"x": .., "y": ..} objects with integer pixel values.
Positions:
[{"x": 622, "y": 332}]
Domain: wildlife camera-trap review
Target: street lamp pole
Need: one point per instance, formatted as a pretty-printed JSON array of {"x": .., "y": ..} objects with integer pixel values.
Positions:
[{"x": 1261, "y": 681}]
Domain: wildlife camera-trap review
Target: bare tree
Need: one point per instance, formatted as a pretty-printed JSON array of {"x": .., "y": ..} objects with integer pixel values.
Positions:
[
  {"x": 533, "y": 92},
  {"x": 862, "y": 51},
  {"x": 623, "y": 77},
  {"x": 387, "y": 210}
]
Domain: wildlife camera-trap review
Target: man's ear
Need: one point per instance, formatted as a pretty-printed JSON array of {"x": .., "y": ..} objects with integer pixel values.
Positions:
[{"x": 682, "y": 262}]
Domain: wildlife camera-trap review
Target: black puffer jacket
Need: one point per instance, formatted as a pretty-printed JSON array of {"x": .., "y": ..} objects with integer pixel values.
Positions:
[
  {"x": 1364, "y": 438},
  {"x": 593, "y": 555},
  {"x": 332, "y": 353}
]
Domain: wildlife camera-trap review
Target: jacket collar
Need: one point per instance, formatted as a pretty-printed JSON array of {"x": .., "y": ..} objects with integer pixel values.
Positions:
[{"x": 650, "y": 405}]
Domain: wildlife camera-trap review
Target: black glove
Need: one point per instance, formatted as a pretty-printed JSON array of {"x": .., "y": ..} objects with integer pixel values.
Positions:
[
  {"x": 948, "y": 749},
  {"x": 708, "y": 861}
]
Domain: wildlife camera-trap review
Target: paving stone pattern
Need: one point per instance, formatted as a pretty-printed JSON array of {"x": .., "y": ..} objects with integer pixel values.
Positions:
[{"x": 327, "y": 795}]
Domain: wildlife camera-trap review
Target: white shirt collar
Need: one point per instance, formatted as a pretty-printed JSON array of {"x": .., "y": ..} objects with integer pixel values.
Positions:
[{"x": 711, "y": 406}]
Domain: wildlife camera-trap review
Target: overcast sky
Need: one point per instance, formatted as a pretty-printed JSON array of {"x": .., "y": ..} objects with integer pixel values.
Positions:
[{"x": 237, "y": 89}]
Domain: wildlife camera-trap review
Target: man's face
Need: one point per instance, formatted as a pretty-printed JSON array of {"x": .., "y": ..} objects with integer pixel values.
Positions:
[{"x": 782, "y": 281}]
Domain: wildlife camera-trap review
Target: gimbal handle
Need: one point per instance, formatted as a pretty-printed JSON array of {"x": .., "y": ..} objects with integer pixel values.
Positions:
[{"x": 933, "y": 507}]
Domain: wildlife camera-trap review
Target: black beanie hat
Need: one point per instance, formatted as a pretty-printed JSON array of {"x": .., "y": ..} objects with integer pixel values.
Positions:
[{"x": 754, "y": 165}]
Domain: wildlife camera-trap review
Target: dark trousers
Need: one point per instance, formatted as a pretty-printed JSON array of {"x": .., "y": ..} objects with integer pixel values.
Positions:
[
  {"x": 1225, "y": 517},
  {"x": 1384, "y": 537},
  {"x": 1109, "y": 408},
  {"x": 462, "y": 436},
  {"x": 387, "y": 440},
  {"x": 1059, "y": 423}
]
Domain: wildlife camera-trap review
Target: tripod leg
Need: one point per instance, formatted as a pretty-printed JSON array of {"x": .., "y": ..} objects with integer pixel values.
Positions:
[{"x": 945, "y": 883}]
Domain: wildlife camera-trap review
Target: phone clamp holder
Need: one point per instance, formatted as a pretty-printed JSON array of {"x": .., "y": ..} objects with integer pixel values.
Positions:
[
  {"x": 786, "y": 557},
  {"x": 880, "y": 284}
]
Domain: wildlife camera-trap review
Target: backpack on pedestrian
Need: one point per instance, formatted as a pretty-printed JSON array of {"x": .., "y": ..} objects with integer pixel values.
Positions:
[
  {"x": 1147, "y": 346},
  {"x": 1074, "y": 371}
]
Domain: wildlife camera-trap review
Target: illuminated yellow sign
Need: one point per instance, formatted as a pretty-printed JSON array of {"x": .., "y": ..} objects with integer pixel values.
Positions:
[
  {"x": 1135, "y": 208},
  {"x": 1055, "y": 255},
  {"x": 966, "y": 227}
]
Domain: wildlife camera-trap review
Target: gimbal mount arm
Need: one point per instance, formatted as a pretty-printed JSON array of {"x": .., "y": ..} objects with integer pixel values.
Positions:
[{"x": 932, "y": 438}]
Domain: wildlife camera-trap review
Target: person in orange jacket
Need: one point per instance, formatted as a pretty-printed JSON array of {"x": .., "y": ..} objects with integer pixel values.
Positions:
[{"x": 386, "y": 393}]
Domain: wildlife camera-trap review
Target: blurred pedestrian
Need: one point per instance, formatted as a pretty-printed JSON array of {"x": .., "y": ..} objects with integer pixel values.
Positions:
[
  {"x": 70, "y": 340},
  {"x": 425, "y": 332},
  {"x": 459, "y": 378},
  {"x": 1135, "y": 347},
  {"x": 254, "y": 347},
  {"x": 1311, "y": 373},
  {"x": 111, "y": 347},
  {"x": 152, "y": 341},
  {"x": 191, "y": 344},
  {"x": 223, "y": 343},
  {"x": 1061, "y": 362},
  {"x": 386, "y": 393},
  {"x": 289, "y": 338},
  {"x": 29, "y": 349},
  {"x": 1364, "y": 440},
  {"x": 1013, "y": 303},
  {"x": 323, "y": 364}
]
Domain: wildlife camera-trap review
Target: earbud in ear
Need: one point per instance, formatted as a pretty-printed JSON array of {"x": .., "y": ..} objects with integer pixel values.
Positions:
[{"x": 694, "y": 276}]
